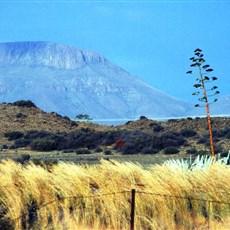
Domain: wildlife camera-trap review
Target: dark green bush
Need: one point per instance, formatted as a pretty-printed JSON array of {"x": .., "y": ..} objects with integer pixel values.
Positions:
[
  {"x": 20, "y": 115},
  {"x": 24, "y": 158},
  {"x": 68, "y": 151},
  {"x": 143, "y": 118},
  {"x": 192, "y": 151},
  {"x": 107, "y": 152},
  {"x": 23, "y": 103},
  {"x": 13, "y": 135},
  {"x": 188, "y": 132},
  {"x": 173, "y": 120},
  {"x": 225, "y": 133},
  {"x": 44, "y": 145},
  {"x": 83, "y": 151},
  {"x": 157, "y": 127},
  {"x": 66, "y": 118},
  {"x": 149, "y": 150},
  {"x": 128, "y": 149},
  {"x": 203, "y": 152},
  {"x": 35, "y": 134},
  {"x": 218, "y": 149},
  {"x": 73, "y": 123},
  {"x": 98, "y": 150},
  {"x": 171, "y": 150},
  {"x": 20, "y": 143},
  {"x": 172, "y": 139},
  {"x": 204, "y": 140}
]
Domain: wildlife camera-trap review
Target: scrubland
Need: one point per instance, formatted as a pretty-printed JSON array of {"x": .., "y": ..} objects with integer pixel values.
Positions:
[{"x": 70, "y": 196}]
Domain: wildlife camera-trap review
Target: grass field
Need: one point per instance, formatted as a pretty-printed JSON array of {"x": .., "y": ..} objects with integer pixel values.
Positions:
[
  {"x": 98, "y": 196},
  {"x": 56, "y": 156}
]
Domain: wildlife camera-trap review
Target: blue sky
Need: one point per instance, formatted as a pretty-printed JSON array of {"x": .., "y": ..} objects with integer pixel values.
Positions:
[{"x": 150, "y": 39}]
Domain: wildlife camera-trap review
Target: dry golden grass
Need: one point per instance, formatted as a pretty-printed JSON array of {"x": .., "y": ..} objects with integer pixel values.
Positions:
[{"x": 69, "y": 196}]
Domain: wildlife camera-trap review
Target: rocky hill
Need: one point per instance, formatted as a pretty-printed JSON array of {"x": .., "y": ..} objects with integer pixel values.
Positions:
[{"x": 31, "y": 127}]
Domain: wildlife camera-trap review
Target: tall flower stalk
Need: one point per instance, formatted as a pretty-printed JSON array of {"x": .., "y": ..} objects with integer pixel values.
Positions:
[{"x": 204, "y": 72}]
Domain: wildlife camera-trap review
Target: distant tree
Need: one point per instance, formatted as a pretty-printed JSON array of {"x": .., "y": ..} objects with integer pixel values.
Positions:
[{"x": 84, "y": 117}]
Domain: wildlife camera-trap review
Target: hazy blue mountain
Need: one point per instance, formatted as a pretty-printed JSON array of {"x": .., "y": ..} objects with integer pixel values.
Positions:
[{"x": 71, "y": 81}]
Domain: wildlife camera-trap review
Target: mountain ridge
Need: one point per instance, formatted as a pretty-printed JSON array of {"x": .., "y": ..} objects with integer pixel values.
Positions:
[
  {"x": 46, "y": 54},
  {"x": 70, "y": 81}
]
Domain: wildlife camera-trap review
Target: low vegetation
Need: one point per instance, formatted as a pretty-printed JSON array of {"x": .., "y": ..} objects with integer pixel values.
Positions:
[
  {"x": 24, "y": 126},
  {"x": 133, "y": 141},
  {"x": 69, "y": 196},
  {"x": 39, "y": 191}
]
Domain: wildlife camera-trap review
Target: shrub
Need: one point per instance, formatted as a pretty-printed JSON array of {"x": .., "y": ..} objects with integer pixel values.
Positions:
[
  {"x": 143, "y": 118},
  {"x": 82, "y": 151},
  {"x": 66, "y": 118},
  {"x": 20, "y": 115},
  {"x": 170, "y": 142},
  {"x": 129, "y": 149},
  {"x": 188, "y": 132},
  {"x": 107, "y": 152},
  {"x": 35, "y": 134},
  {"x": 222, "y": 133},
  {"x": 172, "y": 139},
  {"x": 173, "y": 120},
  {"x": 203, "y": 152},
  {"x": 218, "y": 149},
  {"x": 98, "y": 150},
  {"x": 157, "y": 127},
  {"x": 13, "y": 135},
  {"x": 149, "y": 150},
  {"x": 192, "y": 151},
  {"x": 56, "y": 114},
  {"x": 20, "y": 143},
  {"x": 44, "y": 145},
  {"x": 68, "y": 151},
  {"x": 23, "y": 103},
  {"x": 24, "y": 158},
  {"x": 204, "y": 140},
  {"x": 171, "y": 150},
  {"x": 73, "y": 123},
  {"x": 156, "y": 143}
]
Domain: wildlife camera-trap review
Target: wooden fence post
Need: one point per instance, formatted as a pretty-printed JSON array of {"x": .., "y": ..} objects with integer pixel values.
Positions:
[{"x": 132, "y": 213}]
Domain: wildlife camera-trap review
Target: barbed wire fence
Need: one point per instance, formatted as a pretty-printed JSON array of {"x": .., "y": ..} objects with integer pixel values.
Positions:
[{"x": 133, "y": 193}]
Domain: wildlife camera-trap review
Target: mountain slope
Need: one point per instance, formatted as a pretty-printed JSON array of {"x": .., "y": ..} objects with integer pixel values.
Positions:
[{"x": 71, "y": 81}]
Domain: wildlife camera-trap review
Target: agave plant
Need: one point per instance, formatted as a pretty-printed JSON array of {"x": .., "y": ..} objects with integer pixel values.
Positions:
[
  {"x": 201, "y": 161},
  {"x": 204, "y": 71}
]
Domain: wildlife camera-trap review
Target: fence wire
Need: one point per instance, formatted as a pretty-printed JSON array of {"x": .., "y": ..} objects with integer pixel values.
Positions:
[{"x": 37, "y": 208}]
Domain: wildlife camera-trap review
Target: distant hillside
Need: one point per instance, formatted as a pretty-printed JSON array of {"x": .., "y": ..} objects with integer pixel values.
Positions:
[
  {"x": 71, "y": 81},
  {"x": 35, "y": 129}
]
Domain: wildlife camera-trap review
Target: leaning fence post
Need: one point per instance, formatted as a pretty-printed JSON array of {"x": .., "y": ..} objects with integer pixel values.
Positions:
[{"x": 132, "y": 214}]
